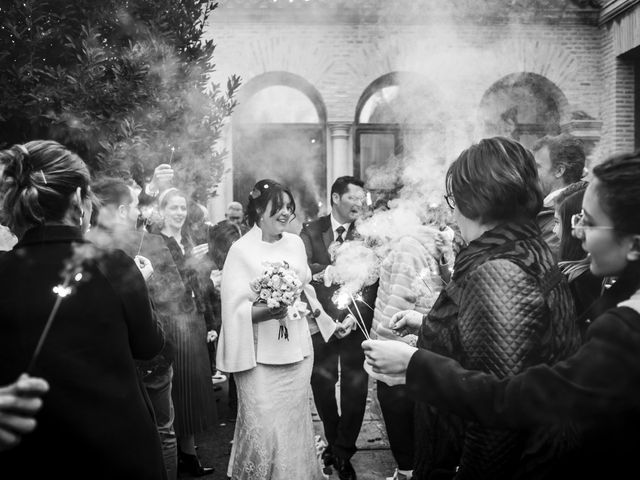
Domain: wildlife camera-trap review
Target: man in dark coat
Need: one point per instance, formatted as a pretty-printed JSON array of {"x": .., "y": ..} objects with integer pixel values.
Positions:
[
  {"x": 341, "y": 430},
  {"x": 115, "y": 228}
]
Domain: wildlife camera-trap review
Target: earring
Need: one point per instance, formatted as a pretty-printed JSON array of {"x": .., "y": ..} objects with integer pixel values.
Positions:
[{"x": 81, "y": 216}]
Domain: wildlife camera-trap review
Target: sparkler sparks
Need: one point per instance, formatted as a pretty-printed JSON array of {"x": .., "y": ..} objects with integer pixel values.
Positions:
[
  {"x": 342, "y": 299},
  {"x": 72, "y": 274},
  {"x": 62, "y": 291}
]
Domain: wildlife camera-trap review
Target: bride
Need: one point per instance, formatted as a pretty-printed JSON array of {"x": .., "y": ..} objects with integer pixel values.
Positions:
[{"x": 274, "y": 438}]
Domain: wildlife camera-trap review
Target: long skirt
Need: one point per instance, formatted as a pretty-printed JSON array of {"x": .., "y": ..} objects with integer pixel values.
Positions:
[
  {"x": 192, "y": 390},
  {"x": 274, "y": 438}
]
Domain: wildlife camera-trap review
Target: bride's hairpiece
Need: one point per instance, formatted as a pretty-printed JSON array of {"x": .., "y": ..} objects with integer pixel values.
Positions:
[{"x": 255, "y": 193}]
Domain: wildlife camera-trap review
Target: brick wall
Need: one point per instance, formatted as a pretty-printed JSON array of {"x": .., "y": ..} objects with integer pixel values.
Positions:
[
  {"x": 459, "y": 58},
  {"x": 617, "y": 100}
]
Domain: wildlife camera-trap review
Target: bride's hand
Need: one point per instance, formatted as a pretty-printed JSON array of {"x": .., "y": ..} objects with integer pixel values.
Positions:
[{"x": 261, "y": 312}]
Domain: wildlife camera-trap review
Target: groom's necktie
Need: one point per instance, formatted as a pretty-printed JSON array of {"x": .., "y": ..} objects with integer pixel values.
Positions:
[{"x": 340, "y": 231}]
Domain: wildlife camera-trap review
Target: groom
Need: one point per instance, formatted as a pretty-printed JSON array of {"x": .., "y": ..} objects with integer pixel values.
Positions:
[{"x": 341, "y": 430}]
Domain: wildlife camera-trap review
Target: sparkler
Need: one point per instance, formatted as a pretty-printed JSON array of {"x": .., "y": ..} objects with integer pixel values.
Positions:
[
  {"x": 358, "y": 296},
  {"x": 145, "y": 222},
  {"x": 171, "y": 157},
  {"x": 62, "y": 291},
  {"x": 341, "y": 299},
  {"x": 424, "y": 273}
]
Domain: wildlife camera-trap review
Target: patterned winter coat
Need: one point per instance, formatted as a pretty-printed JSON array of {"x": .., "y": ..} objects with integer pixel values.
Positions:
[{"x": 506, "y": 308}]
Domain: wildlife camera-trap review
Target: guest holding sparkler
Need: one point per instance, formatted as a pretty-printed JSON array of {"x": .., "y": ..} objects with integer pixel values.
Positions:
[
  {"x": 341, "y": 431},
  {"x": 409, "y": 280},
  {"x": 507, "y": 307},
  {"x": 265, "y": 343},
  {"x": 598, "y": 386},
  {"x": 116, "y": 228},
  {"x": 193, "y": 395},
  {"x": 95, "y": 421}
]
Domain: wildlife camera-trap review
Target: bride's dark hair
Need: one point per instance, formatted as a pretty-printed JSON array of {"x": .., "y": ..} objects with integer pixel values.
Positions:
[
  {"x": 263, "y": 192},
  {"x": 38, "y": 180}
]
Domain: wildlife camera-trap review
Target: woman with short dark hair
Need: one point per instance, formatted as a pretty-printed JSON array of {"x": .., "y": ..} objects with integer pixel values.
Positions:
[
  {"x": 506, "y": 307},
  {"x": 95, "y": 421},
  {"x": 598, "y": 387}
]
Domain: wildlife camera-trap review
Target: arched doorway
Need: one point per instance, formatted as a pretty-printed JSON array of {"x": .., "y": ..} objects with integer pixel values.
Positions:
[
  {"x": 524, "y": 106},
  {"x": 279, "y": 133},
  {"x": 398, "y": 120}
]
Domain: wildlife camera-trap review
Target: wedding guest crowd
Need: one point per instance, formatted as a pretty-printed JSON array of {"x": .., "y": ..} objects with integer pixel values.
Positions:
[{"x": 505, "y": 352}]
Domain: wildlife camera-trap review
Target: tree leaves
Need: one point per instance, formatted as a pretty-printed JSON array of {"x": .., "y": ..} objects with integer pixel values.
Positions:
[{"x": 119, "y": 81}]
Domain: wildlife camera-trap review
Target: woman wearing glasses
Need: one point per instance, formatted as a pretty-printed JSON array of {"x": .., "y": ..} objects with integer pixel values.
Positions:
[
  {"x": 586, "y": 288},
  {"x": 507, "y": 307},
  {"x": 598, "y": 387}
]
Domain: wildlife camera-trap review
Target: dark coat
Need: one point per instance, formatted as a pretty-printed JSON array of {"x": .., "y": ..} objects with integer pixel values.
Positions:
[
  {"x": 546, "y": 221},
  {"x": 95, "y": 421},
  {"x": 507, "y": 307},
  {"x": 598, "y": 388},
  {"x": 317, "y": 236},
  {"x": 165, "y": 284}
]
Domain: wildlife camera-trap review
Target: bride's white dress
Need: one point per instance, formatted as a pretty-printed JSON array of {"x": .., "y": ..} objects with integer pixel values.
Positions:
[{"x": 273, "y": 438}]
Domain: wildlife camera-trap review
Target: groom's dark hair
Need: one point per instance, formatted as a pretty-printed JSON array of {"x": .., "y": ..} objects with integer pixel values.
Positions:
[{"x": 341, "y": 185}]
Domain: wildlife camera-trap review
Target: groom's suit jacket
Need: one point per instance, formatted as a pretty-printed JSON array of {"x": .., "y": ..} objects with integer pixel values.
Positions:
[{"x": 317, "y": 236}]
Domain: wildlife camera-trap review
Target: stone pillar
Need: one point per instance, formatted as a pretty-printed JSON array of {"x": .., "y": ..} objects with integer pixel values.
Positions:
[{"x": 341, "y": 158}]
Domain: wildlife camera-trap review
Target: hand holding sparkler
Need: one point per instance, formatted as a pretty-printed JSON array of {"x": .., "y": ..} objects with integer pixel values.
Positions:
[
  {"x": 345, "y": 327},
  {"x": 162, "y": 177},
  {"x": 144, "y": 265},
  {"x": 386, "y": 357},
  {"x": 19, "y": 402},
  {"x": 342, "y": 298},
  {"x": 405, "y": 322}
]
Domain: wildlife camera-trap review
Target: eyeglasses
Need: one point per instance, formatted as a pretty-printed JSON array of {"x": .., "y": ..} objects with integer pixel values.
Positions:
[
  {"x": 451, "y": 201},
  {"x": 578, "y": 227}
]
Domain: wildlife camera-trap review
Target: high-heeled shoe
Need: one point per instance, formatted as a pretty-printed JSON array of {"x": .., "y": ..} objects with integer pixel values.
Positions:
[{"x": 190, "y": 464}]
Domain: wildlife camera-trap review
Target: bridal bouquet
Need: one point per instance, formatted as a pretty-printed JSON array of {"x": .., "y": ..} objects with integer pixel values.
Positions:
[{"x": 279, "y": 286}]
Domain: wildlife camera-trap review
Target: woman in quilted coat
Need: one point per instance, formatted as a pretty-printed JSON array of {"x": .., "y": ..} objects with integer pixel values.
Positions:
[
  {"x": 507, "y": 307},
  {"x": 598, "y": 387}
]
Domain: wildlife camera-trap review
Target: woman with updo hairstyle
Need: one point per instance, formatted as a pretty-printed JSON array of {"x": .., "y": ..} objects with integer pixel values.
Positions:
[
  {"x": 506, "y": 307},
  {"x": 95, "y": 421},
  {"x": 598, "y": 387},
  {"x": 192, "y": 390},
  {"x": 273, "y": 438}
]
